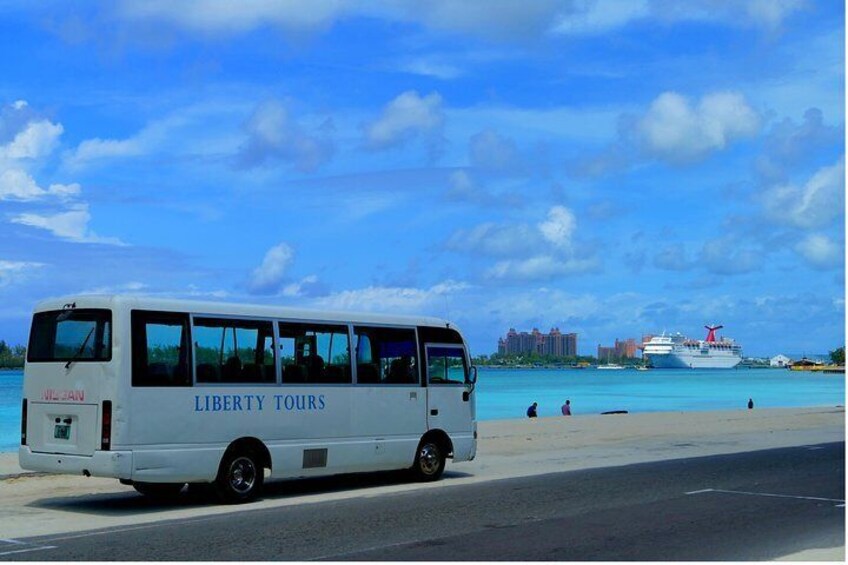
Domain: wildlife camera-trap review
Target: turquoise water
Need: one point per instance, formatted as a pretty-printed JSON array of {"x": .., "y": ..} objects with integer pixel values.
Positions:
[{"x": 507, "y": 393}]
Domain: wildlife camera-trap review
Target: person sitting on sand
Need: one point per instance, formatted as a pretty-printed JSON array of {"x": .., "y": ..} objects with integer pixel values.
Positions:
[
  {"x": 531, "y": 411},
  {"x": 750, "y": 404},
  {"x": 566, "y": 408}
]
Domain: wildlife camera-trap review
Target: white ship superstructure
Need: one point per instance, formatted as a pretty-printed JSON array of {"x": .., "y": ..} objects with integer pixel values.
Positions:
[{"x": 675, "y": 351}]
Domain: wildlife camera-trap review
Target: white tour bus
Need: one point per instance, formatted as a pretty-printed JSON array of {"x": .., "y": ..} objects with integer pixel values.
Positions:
[{"x": 159, "y": 393}]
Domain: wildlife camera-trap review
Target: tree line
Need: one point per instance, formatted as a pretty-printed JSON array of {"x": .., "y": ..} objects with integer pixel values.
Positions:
[{"x": 11, "y": 357}]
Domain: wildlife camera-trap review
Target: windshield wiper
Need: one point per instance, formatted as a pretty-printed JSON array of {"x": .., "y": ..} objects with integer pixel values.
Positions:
[{"x": 80, "y": 350}]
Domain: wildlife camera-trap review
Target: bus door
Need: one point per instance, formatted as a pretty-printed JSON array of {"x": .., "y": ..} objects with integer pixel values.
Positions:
[
  {"x": 390, "y": 401},
  {"x": 450, "y": 407}
]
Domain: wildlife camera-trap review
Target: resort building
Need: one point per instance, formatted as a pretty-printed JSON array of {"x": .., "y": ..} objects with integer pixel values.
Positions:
[
  {"x": 780, "y": 361},
  {"x": 623, "y": 349},
  {"x": 554, "y": 344}
]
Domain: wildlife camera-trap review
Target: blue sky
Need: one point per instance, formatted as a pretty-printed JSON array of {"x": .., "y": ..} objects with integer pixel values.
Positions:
[{"x": 611, "y": 168}]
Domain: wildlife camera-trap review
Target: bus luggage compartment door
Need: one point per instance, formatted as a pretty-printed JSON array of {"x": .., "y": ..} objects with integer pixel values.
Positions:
[{"x": 70, "y": 429}]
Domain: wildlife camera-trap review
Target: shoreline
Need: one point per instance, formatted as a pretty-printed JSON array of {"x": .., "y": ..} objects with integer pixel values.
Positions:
[{"x": 14, "y": 449}]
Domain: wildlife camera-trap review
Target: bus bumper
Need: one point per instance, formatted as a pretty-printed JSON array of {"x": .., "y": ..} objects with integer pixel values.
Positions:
[
  {"x": 464, "y": 447},
  {"x": 112, "y": 464}
]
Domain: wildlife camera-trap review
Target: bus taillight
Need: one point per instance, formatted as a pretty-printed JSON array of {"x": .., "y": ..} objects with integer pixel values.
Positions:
[
  {"x": 106, "y": 426},
  {"x": 23, "y": 422}
]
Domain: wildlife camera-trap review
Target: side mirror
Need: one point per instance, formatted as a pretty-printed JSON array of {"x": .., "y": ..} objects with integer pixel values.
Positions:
[{"x": 472, "y": 375}]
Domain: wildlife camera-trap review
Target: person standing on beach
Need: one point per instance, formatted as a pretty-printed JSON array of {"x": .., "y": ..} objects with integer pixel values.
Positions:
[
  {"x": 566, "y": 408},
  {"x": 531, "y": 411},
  {"x": 750, "y": 404}
]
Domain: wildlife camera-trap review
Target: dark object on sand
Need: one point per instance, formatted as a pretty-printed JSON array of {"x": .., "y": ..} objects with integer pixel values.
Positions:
[{"x": 614, "y": 412}]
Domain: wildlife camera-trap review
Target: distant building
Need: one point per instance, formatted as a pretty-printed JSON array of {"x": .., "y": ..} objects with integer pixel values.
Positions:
[
  {"x": 554, "y": 343},
  {"x": 623, "y": 349},
  {"x": 780, "y": 361},
  {"x": 605, "y": 353}
]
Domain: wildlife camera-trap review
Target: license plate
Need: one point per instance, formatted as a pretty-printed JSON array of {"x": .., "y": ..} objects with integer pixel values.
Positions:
[{"x": 62, "y": 431}]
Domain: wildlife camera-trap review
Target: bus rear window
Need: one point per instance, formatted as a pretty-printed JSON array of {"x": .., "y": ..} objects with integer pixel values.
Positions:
[{"x": 70, "y": 335}]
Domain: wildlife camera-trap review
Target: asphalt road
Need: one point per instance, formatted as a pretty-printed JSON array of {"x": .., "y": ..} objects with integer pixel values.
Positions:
[{"x": 750, "y": 506}]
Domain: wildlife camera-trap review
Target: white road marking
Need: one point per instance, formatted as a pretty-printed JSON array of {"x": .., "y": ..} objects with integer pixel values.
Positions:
[
  {"x": 24, "y": 550},
  {"x": 768, "y": 494}
]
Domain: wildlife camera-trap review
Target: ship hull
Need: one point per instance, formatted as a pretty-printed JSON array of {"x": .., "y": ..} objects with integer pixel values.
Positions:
[{"x": 695, "y": 360}]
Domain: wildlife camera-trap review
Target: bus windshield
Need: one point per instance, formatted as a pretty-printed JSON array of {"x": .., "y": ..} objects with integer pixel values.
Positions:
[{"x": 71, "y": 335}]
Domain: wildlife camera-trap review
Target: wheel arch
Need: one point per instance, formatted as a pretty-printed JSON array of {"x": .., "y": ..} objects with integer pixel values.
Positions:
[
  {"x": 441, "y": 437},
  {"x": 253, "y": 444}
]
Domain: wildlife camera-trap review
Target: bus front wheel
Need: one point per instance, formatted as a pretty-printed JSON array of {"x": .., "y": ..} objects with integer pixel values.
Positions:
[
  {"x": 240, "y": 477},
  {"x": 429, "y": 461}
]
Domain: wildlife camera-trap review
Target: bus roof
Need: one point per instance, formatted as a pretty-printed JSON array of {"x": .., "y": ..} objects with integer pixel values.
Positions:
[{"x": 142, "y": 302}]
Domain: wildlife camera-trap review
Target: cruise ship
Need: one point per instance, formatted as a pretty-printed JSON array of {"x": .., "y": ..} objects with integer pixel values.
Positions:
[{"x": 677, "y": 352}]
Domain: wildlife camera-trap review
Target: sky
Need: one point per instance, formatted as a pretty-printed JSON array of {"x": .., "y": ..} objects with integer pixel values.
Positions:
[{"x": 610, "y": 167}]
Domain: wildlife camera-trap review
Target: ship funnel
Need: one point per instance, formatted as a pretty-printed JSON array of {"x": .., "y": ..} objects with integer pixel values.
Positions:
[{"x": 711, "y": 330}]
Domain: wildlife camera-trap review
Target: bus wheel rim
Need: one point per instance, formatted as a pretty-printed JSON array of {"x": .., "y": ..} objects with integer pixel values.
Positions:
[
  {"x": 429, "y": 459},
  {"x": 242, "y": 475}
]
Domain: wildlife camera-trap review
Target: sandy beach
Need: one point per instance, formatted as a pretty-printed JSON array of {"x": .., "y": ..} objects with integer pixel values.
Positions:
[{"x": 33, "y": 504}]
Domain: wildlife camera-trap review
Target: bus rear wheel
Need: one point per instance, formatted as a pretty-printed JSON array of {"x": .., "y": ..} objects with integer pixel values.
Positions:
[
  {"x": 429, "y": 461},
  {"x": 240, "y": 477},
  {"x": 159, "y": 491}
]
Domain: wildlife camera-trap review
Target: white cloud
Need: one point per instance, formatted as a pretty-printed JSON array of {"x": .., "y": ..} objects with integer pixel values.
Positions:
[
  {"x": 527, "y": 252},
  {"x": 771, "y": 13},
  {"x": 541, "y": 267},
  {"x": 495, "y": 239},
  {"x": 95, "y": 149},
  {"x": 36, "y": 140},
  {"x": 820, "y": 201},
  {"x": 406, "y": 117},
  {"x": 71, "y": 225},
  {"x": 15, "y": 271},
  {"x": 225, "y": 16},
  {"x": 559, "y": 227},
  {"x": 491, "y": 151},
  {"x": 820, "y": 251},
  {"x": 158, "y": 135},
  {"x": 600, "y": 16},
  {"x": 272, "y": 134},
  {"x": 672, "y": 257},
  {"x": 675, "y": 131},
  {"x": 16, "y": 184},
  {"x": 303, "y": 287},
  {"x": 462, "y": 187},
  {"x": 730, "y": 256},
  {"x": 267, "y": 277},
  {"x": 556, "y": 233},
  {"x": 509, "y": 20},
  {"x": 430, "y": 67},
  {"x": 406, "y": 300}
]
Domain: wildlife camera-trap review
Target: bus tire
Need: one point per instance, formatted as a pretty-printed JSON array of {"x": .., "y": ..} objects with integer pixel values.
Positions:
[
  {"x": 240, "y": 477},
  {"x": 429, "y": 460},
  {"x": 162, "y": 492}
]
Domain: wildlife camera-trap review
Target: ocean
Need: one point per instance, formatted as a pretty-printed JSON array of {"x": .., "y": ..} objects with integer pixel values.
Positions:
[{"x": 506, "y": 393}]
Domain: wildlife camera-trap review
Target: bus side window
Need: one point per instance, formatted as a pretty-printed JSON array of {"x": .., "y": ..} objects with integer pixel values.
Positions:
[
  {"x": 386, "y": 355},
  {"x": 160, "y": 351},
  {"x": 314, "y": 353},
  {"x": 234, "y": 351}
]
